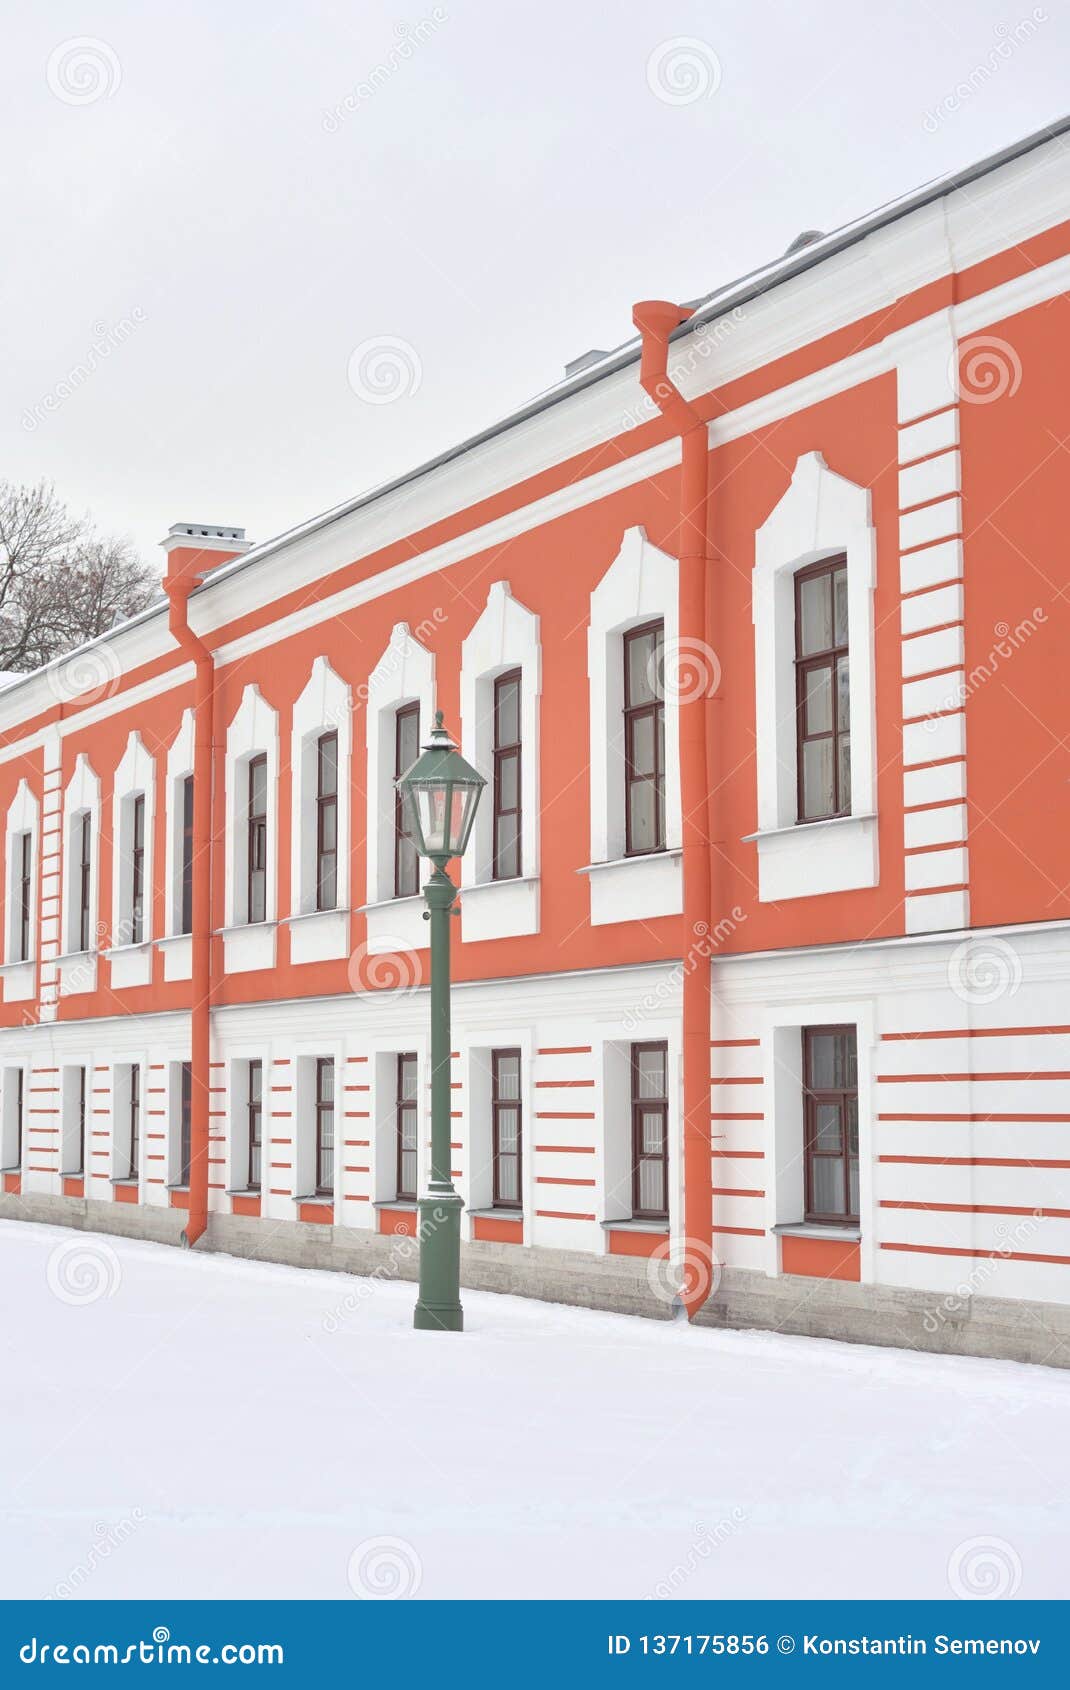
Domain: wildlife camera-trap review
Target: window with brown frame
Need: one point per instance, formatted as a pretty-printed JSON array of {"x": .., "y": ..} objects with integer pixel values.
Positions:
[
  {"x": 134, "y": 1124},
  {"x": 185, "y": 1122},
  {"x": 85, "y": 879},
  {"x": 79, "y": 1168},
  {"x": 822, "y": 691},
  {"x": 254, "y": 1115},
  {"x": 506, "y": 1127},
  {"x": 644, "y": 739},
  {"x": 325, "y": 1126},
  {"x": 507, "y": 695},
  {"x": 137, "y": 869},
  {"x": 186, "y": 913},
  {"x": 25, "y": 885},
  {"x": 830, "y": 1099},
  {"x": 650, "y": 1131},
  {"x": 256, "y": 884},
  {"x": 327, "y": 821},
  {"x": 406, "y": 751},
  {"x": 406, "y": 1116},
  {"x": 20, "y": 1092}
]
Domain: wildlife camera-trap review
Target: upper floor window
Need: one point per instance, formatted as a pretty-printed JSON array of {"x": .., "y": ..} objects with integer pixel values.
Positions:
[
  {"x": 406, "y": 1111},
  {"x": 84, "y": 910},
  {"x": 185, "y": 913},
  {"x": 507, "y": 775},
  {"x": 324, "y": 1126},
  {"x": 830, "y": 1097},
  {"x": 650, "y": 1131},
  {"x": 644, "y": 739},
  {"x": 256, "y": 833},
  {"x": 506, "y": 1127},
  {"x": 406, "y": 751},
  {"x": 327, "y": 821},
  {"x": 137, "y": 869},
  {"x": 823, "y": 691},
  {"x": 24, "y": 897}
]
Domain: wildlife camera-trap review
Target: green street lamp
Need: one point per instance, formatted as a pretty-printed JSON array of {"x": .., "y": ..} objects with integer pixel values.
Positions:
[{"x": 441, "y": 793}]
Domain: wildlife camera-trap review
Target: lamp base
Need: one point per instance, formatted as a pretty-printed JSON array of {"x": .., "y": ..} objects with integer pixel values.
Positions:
[
  {"x": 438, "y": 1318},
  {"x": 438, "y": 1308}
]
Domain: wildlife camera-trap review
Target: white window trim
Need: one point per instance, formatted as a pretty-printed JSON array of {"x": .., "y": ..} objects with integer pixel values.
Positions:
[
  {"x": 504, "y": 637},
  {"x": 179, "y": 767},
  {"x": 131, "y": 964},
  {"x": 614, "y": 1109},
  {"x": 821, "y": 515},
  {"x": 325, "y": 705},
  {"x": 404, "y": 674},
  {"x": 78, "y": 968},
  {"x": 781, "y": 1046},
  {"x": 253, "y": 732},
  {"x": 23, "y": 816},
  {"x": 476, "y": 1184},
  {"x": 641, "y": 584},
  {"x": 9, "y": 1119}
]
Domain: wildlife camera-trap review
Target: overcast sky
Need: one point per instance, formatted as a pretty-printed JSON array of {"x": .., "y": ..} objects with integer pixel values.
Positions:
[{"x": 229, "y": 201}]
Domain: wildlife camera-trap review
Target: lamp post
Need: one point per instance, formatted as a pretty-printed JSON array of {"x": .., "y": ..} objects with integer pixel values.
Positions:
[{"x": 440, "y": 792}]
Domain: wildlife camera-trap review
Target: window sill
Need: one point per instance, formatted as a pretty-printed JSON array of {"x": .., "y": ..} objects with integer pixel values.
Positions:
[
  {"x": 19, "y": 980},
  {"x": 15, "y": 1169},
  {"x": 810, "y": 859},
  {"x": 318, "y": 1198},
  {"x": 243, "y": 1191},
  {"x": 131, "y": 965},
  {"x": 500, "y": 909},
  {"x": 406, "y": 1205},
  {"x": 125, "y": 1181},
  {"x": 170, "y": 941},
  {"x": 177, "y": 952},
  {"x": 495, "y": 1214},
  {"x": 630, "y": 1224},
  {"x": 636, "y": 888},
  {"x": 396, "y": 924},
  {"x": 117, "y": 952},
  {"x": 7, "y": 968},
  {"x": 179, "y": 1185},
  {"x": 248, "y": 946},
  {"x": 811, "y": 1229},
  {"x": 77, "y": 972}
]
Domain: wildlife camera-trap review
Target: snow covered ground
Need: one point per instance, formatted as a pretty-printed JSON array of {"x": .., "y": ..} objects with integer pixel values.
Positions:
[{"x": 198, "y": 1426}]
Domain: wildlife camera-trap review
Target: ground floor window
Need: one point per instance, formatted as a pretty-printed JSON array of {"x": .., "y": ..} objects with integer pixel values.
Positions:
[
  {"x": 506, "y": 1127},
  {"x": 185, "y": 1123},
  {"x": 324, "y": 1126},
  {"x": 830, "y": 1096},
  {"x": 650, "y": 1131},
  {"x": 254, "y": 1109},
  {"x": 133, "y": 1127},
  {"x": 406, "y": 1113}
]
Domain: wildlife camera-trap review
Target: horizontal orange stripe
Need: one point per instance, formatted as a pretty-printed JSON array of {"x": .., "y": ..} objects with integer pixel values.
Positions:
[
  {"x": 742, "y": 1231},
  {"x": 734, "y": 1191},
  {"x": 979, "y": 1116},
  {"x": 732, "y": 1044},
  {"x": 554, "y": 1084},
  {"x": 920, "y": 1079},
  {"x": 975, "y": 1208},
  {"x": 562, "y": 1215},
  {"x": 974, "y": 1032},
  {"x": 544, "y": 1179},
  {"x": 566, "y": 1149},
  {"x": 564, "y": 1050},
  {"x": 973, "y": 1162},
  {"x": 564, "y": 1115},
  {"x": 725, "y": 1080},
  {"x": 990, "y": 1255},
  {"x": 721, "y": 1116},
  {"x": 744, "y": 1155}
]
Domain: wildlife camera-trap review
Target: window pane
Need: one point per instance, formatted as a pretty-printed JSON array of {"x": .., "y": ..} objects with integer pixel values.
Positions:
[
  {"x": 845, "y": 771},
  {"x": 257, "y": 786},
  {"x": 408, "y": 739},
  {"x": 328, "y": 765},
  {"x": 650, "y": 1072},
  {"x": 508, "y": 1128},
  {"x": 817, "y": 700},
  {"x": 839, "y": 590},
  {"x": 843, "y": 693},
  {"x": 508, "y": 784},
  {"x": 508, "y": 1071},
  {"x": 817, "y": 798},
  {"x": 652, "y": 1132},
  {"x": 642, "y": 815},
  {"x": 815, "y": 614},
  {"x": 507, "y": 711},
  {"x": 822, "y": 1048},
  {"x": 826, "y": 1126},
  {"x": 326, "y": 1081},
  {"x": 852, "y": 1125},
  {"x": 408, "y": 869},
  {"x": 643, "y": 661},
  {"x": 507, "y": 847},
  {"x": 256, "y": 1077},
  {"x": 407, "y": 1077},
  {"x": 827, "y": 1185},
  {"x": 508, "y": 1179},
  {"x": 652, "y": 1186},
  {"x": 852, "y": 1175},
  {"x": 641, "y": 745}
]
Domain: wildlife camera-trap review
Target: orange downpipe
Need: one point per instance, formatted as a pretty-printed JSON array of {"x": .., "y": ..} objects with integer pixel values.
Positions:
[
  {"x": 178, "y": 591},
  {"x": 655, "y": 320}
]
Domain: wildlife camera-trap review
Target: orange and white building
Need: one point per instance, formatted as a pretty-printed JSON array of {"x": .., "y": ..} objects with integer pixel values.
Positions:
[{"x": 758, "y": 628}]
